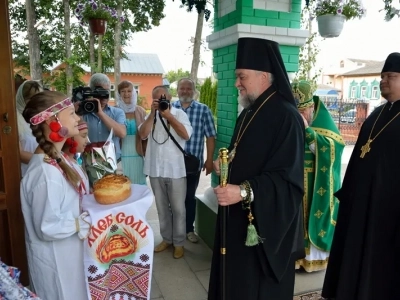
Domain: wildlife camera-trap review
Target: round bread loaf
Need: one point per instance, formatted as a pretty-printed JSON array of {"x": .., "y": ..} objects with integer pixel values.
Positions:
[{"x": 112, "y": 188}]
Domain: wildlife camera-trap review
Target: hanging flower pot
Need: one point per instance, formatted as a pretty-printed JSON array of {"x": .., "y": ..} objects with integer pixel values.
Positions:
[
  {"x": 98, "y": 26},
  {"x": 330, "y": 25}
]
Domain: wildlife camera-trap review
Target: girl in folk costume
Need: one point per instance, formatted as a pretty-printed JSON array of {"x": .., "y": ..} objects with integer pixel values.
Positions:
[
  {"x": 77, "y": 144},
  {"x": 50, "y": 198},
  {"x": 27, "y": 142},
  {"x": 133, "y": 148}
]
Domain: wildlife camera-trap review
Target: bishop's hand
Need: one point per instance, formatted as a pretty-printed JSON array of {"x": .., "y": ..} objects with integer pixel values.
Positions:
[
  {"x": 228, "y": 195},
  {"x": 216, "y": 167}
]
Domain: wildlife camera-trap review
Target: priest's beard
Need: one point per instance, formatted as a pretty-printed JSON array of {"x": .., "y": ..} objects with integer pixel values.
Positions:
[{"x": 248, "y": 100}]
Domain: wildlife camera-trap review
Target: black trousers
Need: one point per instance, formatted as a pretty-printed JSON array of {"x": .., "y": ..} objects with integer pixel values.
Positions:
[{"x": 192, "y": 182}]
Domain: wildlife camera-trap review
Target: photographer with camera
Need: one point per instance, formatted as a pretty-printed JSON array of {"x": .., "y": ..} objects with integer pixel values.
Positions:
[
  {"x": 164, "y": 164},
  {"x": 92, "y": 104},
  {"x": 202, "y": 121}
]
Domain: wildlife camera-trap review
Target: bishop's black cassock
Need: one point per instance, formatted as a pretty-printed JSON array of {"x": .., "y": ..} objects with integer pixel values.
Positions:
[{"x": 270, "y": 155}]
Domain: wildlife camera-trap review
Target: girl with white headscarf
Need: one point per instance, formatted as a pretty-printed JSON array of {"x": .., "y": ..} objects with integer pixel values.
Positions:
[
  {"x": 133, "y": 148},
  {"x": 27, "y": 142}
]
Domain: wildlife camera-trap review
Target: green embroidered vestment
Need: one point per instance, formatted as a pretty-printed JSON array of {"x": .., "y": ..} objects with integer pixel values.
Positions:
[{"x": 321, "y": 178}]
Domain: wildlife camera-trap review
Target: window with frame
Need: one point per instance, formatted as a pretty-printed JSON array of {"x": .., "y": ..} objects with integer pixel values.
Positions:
[
  {"x": 136, "y": 89},
  {"x": 375, "y": 92},
  {"x": 363, "y": 93},
  {"x": 353, "y": 92}
]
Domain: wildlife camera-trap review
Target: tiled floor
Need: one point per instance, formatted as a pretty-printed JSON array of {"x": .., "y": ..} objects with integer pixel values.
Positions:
[{"x": 187, "y": 278}]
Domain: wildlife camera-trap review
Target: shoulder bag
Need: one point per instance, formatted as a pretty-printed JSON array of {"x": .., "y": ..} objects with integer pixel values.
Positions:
[{"x": 192, "y": 163}]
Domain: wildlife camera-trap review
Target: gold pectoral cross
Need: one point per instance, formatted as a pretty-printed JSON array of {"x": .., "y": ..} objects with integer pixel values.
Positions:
[{"x": 366, "y": 148}]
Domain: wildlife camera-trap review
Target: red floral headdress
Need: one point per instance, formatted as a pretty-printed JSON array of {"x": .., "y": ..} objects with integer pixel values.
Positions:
[{"x": 51, "y": 111}]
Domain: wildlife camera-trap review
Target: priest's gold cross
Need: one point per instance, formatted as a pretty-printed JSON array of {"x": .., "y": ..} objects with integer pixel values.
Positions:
[{"x": 366, "y": 148}]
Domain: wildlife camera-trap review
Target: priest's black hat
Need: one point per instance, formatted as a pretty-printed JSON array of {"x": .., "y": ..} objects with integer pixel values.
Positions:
[
  {"x": 392, "y": 63},
  {"x": 264, "y": 55}
]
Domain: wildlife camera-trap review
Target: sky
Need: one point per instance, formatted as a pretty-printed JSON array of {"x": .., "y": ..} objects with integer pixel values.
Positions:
[
  {"x": 171, "y": 40},
  {"x": 368, "y": 38}
]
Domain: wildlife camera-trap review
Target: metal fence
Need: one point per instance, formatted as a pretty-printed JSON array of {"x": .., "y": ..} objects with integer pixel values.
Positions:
[{"x": 348, "y": 115}]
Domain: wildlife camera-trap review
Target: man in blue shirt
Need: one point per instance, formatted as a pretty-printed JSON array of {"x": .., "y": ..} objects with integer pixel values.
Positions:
[
  {"x": 107, "y": 118},
  {"x": 202, "y": 122}
]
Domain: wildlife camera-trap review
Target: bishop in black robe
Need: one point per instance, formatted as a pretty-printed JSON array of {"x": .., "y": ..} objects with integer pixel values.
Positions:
[
  {"x": 270, "y": 155},
  {"x": 364, "y": 264}
]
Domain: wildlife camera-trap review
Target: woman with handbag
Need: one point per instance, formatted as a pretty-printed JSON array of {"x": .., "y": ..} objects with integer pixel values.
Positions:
[{"x": 133, "y": 148}]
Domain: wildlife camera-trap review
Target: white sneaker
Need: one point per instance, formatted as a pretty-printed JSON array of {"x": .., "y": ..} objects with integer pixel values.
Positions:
[{"x": 192, "y": 237}]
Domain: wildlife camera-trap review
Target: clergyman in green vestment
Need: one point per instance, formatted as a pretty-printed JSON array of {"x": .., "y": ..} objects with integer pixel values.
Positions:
[{"x": 323, "y": 152}]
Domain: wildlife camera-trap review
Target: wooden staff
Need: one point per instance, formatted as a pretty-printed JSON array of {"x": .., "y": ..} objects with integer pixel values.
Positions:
[{"x": 223, "y": 167}]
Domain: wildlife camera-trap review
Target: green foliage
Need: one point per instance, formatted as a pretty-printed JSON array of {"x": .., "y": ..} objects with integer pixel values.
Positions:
[
  {"x": 173, "y": 76},
  {"x": 173, "y": 92},
  {"x": 200, "y": 6},
  {"x": 213, "y": 104},
  {"x": 205, "y": 92},
  {"x": 59, "y": 79},
  {"x": 350, "y": 9},
  {"x": 81, "y": 47},
  {"x": 140, "y": 100},
  {"x": 94, "y": 10},
  {"x": 208, "y": 95},
  {"x": 52, "y": 39},
  {"x": 138, "y": 15},
  {"x": 390, "y": 10},
  {"x": 308, "y": 52}
]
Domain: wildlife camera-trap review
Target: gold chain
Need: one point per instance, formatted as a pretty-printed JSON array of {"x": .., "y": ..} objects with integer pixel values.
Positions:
[
  {"x": 241, "y": 134},
  {"x": 232, "y": 153},
  {"x": 383, "y": 126},
  {"x": 367, "y": 147}
]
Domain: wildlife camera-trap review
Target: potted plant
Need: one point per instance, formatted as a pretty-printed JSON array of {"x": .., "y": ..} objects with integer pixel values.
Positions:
[
  {"x": 390, "y": 10},
  {"x": 96, "y": 14},
  {"x": 331, "y": 15}
]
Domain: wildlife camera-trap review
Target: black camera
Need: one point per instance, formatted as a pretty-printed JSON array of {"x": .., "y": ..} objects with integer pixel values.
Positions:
[
  {"x": 84, "y": 95},
  {"x": 163, "y": 103}
]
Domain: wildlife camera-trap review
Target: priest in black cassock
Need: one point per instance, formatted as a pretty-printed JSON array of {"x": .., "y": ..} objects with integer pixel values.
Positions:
[
  {"x": 364, "y": 263},
  {"x": 265, "y": 182}
]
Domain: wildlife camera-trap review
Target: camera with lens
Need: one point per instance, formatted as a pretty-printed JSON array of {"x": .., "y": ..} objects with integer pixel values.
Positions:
[
  {"x": 84, "y": 95},
  {"x": 163, "y": 103}
]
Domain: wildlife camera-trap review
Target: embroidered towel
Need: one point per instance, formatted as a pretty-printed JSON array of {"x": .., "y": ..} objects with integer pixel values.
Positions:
[{"x": 119, "y": 249}]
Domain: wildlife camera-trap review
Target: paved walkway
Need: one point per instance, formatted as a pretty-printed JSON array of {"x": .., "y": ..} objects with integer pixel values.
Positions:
[{"x": 187, "y": 278}]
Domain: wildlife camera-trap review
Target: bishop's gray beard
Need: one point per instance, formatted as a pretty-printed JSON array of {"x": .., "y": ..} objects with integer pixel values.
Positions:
[{"x": 247, "y": 101}]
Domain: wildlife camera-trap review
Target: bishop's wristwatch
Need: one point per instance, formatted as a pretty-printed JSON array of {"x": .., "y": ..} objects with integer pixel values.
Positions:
[{"x": 243, "y": 192}]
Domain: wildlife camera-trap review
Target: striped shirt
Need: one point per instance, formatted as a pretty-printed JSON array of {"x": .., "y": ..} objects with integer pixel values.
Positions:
[{"x": 202, "y": 122}]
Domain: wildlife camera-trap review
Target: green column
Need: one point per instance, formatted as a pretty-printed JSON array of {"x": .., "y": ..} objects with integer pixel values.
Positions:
[{"x": 277, "y": 20}]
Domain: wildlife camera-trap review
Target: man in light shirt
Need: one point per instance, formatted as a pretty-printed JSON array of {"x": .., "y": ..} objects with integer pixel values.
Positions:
[
  {"x": 202, "y": 121},
  {"x": 165, "y": 166}
]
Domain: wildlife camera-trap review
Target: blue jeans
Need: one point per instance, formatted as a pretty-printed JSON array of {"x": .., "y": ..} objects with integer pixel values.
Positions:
[{"x": 192, "y": 182}]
